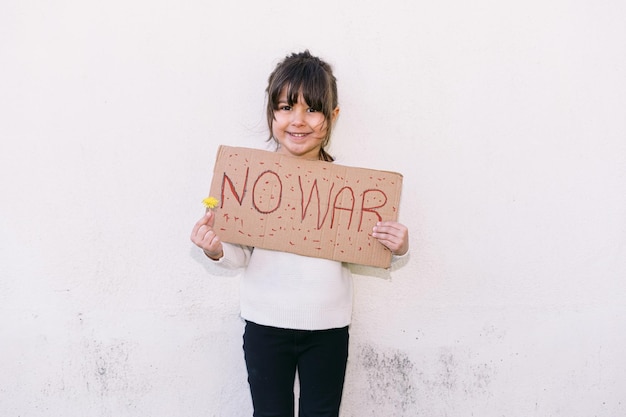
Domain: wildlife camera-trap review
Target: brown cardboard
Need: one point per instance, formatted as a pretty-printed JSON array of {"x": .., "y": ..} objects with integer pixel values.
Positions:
[{"x": 311, "y": 208}]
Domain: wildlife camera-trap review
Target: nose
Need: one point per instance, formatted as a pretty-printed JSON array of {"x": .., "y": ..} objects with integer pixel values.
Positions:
[{"x": 297, "y": 117}]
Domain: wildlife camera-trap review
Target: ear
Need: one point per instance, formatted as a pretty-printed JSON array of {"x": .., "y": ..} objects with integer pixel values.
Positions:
[{"x": 334, "y": 114}]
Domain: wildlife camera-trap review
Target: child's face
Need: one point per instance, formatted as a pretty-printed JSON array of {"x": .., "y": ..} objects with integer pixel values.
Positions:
[{"x": 299, "y": 130}]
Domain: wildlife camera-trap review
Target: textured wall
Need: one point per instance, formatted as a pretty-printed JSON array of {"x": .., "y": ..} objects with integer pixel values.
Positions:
[{"x": 507, "y": 121}]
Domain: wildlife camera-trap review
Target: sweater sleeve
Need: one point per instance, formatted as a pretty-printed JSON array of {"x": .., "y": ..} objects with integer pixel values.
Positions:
[
  {"x": 235, "y": 256},
  {"x": 398, "y": 261}
]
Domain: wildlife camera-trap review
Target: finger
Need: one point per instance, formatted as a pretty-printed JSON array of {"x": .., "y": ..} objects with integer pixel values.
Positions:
[
  {"x": 399, "y": 231},
  {"x": 202, "y": 222},
  {"x": 389, "y": 244},
  {"x": 212, "y": 245},
  {"x": 211, "y": 218},
  {"x": 201, "y": 233},
  {"x": 381, "y": 232},
  {"x": 391, "y": 227},
  {"x": 387, "y": 239}
]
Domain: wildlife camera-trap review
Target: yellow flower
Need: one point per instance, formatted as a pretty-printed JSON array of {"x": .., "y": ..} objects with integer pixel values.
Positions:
[{"x": 210, "y": 202}]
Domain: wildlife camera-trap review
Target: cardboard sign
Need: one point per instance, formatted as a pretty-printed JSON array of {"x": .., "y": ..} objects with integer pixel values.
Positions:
[{"x": 311, "y": 208}]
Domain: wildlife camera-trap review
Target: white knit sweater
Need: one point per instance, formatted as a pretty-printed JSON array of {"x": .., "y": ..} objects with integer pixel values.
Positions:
[{"x": 286, "y": 290}]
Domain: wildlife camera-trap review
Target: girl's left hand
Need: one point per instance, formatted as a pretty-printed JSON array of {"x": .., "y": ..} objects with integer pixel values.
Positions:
[{"x": 393, "y": 235}]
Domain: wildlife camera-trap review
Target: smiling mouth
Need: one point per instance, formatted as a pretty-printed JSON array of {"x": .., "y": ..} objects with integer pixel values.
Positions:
[{"x": 298, "y": 135}]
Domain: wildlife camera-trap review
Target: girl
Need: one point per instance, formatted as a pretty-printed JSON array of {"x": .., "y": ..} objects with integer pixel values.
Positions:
[{"x": 297, "y": 309}]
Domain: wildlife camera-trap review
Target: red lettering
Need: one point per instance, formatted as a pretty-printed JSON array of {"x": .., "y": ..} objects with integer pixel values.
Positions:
[
  {"x": 270, "y": 196},
  {"x": 371, "y": 209},
  {"x": 232, "y": 188},
  {"x": 336, "y": 207},
  {"x": 305, "y": 208}
]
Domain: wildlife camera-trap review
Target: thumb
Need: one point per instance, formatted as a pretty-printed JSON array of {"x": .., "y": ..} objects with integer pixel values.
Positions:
[{"x": 211, "y": 218}]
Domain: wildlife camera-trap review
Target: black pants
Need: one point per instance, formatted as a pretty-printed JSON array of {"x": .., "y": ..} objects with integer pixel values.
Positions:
[{"x": 272, "y": 357}]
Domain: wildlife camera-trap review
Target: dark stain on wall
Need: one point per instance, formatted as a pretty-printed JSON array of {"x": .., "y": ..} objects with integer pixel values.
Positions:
[
  {"x": 448, "y": 366},
  {"x": 111, "y": 367},
  {"x": 456, "y": 373},
  {"x": 389, "y": 377},
  {"x": 113, "y": 375},
  {"x": 398, "y": 386}
]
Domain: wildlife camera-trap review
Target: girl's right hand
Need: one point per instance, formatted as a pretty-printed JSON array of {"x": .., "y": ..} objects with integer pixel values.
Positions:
[{"x": 204, "y": 237}]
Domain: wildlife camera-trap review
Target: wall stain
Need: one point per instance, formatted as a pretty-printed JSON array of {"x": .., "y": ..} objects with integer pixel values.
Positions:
[
  {"x": 448, "y": 367},
  {"x": 389, "y": 378},
  {"x": 111, "y": 367},
  {"x": 112, "y": 376},
  {"x": 455, "y": 373}
]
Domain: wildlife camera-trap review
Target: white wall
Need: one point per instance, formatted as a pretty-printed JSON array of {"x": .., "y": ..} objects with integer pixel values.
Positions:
[{"x": 506, "y": 119}]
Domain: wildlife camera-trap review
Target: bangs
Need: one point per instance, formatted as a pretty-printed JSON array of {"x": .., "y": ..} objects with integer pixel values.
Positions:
[{"x": 308, "y": 79}]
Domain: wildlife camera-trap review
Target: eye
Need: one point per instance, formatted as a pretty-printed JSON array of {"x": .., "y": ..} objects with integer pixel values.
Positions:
[
  {"x": 311, "y": 110},
  {"x": 284, "y": 107}
]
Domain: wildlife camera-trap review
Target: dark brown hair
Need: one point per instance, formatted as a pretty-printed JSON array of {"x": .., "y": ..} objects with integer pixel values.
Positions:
[{"x": 309, "y": 75}]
